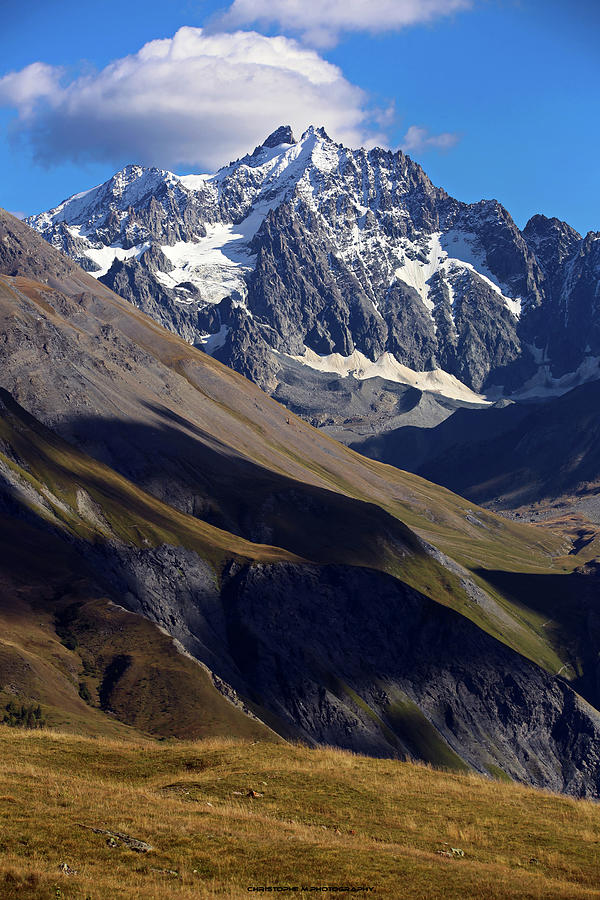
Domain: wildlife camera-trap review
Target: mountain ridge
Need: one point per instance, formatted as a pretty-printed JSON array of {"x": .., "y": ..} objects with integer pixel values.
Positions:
[
  {"x": 207, "y": 509},
  {"x": 310, "y": 246}
]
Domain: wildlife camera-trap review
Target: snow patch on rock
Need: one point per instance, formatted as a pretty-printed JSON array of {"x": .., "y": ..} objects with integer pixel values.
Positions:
[
  {"x": 387, "y": 366},
  {"x": 544, "y": 384}
]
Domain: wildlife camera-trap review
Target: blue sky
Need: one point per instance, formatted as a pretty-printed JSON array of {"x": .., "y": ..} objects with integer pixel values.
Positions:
[{"x": 495, "y": 98}]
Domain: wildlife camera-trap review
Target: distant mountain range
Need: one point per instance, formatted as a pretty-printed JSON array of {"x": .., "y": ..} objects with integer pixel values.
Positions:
[{"x": 348, "y": 262}]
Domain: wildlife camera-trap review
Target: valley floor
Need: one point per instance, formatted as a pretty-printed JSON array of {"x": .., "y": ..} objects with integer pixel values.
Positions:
[{"x": 226, "y": 816}]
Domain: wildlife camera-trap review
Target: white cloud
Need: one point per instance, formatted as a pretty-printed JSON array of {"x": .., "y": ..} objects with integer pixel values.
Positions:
[
  {"x": 322, "y": 21},
  {"x": 23, "y": 89},
  {"x": 195, "y": 100},
  {"x": 418, "y": 139}
]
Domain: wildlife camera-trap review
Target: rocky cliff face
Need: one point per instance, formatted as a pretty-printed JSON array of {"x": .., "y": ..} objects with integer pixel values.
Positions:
[
  {"x": 304, "y": 647},
  {"x": 567, "y": 330},
  {"x": 311, "y": 642},
  {"x": 307, "y": 247}
]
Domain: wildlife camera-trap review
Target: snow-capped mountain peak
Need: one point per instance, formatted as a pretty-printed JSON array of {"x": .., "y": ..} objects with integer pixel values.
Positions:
[{"x": 307, "y": 245}]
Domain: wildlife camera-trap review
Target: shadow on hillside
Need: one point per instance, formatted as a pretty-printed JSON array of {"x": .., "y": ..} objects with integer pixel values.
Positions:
[
  {"x": 291, "y": 632},
  {"x": 35, "y": 551},
  {"x": 189, "y": 469},
  {"x": 443, "y": 449},
  {"x": 570, "y": 608}
]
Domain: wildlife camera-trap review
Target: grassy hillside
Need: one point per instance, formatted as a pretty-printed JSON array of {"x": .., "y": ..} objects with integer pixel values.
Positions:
[
  {"x": 117, "y": 436},
  {"x": 185, "y": 428},
  {"x": 61, "y": 639},
  {"x": 91, "y": 501},
  {"x": 321, "y": 817}
]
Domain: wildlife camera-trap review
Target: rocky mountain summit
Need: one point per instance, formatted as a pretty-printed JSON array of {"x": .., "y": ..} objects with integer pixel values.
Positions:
[{"x": 349, "y": 261}]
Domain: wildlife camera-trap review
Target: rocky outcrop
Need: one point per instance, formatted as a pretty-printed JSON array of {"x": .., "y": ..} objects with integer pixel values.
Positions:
[
  {"x": 567, "y": 329},
  {"x": 281, "y": 135},
  {"x": 132, "y": 278},
  {"x": 310, "y": 644},
  {"x": 353, "y": 658}
]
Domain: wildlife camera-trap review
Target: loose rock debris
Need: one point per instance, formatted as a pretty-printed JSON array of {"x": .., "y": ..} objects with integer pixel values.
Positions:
[
  {"x": 452, "y": 852},
  {"x": 130, "y": 842},
  {"x": 66, "y": 869}
]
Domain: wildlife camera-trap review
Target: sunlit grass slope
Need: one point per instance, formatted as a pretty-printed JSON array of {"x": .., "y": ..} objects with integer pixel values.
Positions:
[{"x": 320, "y": 817}]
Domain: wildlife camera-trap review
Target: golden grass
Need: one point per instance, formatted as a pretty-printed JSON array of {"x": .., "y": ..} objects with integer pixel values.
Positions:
[
  {"x": 325, "y": 817},
  {"x": 161, "y": 691}
]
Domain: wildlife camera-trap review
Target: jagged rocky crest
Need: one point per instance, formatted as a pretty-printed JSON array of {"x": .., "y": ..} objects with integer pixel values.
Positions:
[{"x": 309, "y": 249}]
